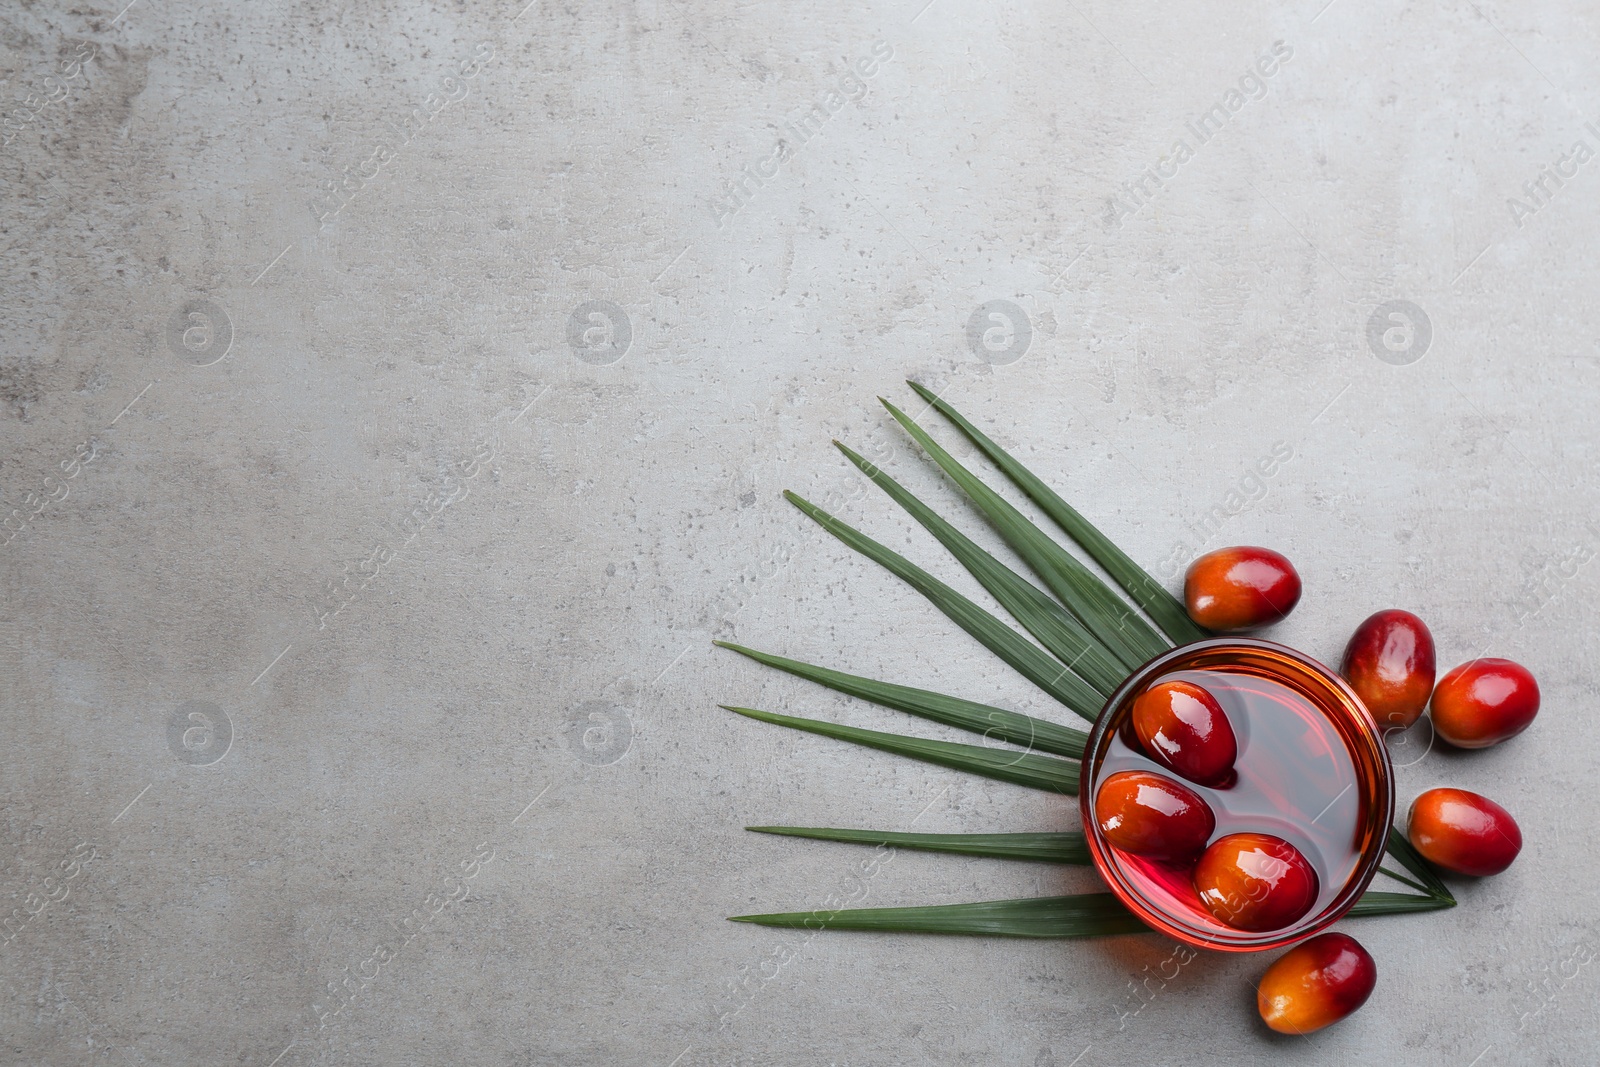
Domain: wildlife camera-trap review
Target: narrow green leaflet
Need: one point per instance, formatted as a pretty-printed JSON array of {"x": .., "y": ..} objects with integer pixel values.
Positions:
[
  {"x": 1027, "y": 658},
  {"x": 1374, "y": 903},
  {"x": 1062, "y": 634},
  {"x": 983, "y": 719},
  {"x": 1067, "y": 848},
  {"x": 1404, "y": 880},
  {"x": 1106, "y": 615},
  {"x": 1085, "y": 915},
  {"x": 1164, "y": 608},
  {"x": 1022, "y": 768},
  {"x": 1041, "y": 848},
  {"x": 1082, "y": 915},
  {"x": 1401, "y": 850}
]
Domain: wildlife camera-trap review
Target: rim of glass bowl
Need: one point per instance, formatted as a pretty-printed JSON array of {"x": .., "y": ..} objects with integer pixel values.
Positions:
[{"x": 1363, "y": 740}]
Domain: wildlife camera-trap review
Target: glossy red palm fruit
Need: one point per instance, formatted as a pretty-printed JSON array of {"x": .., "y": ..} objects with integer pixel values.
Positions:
[
  {"x": 1151, "y": 815},
  {"x": 1255, "y": 882},
  {"x": 1389, "y": 663},
  {"x": 1315, "y": 984},
  {"x": 1240, "y": 588},
  {"x": 1182, "y": 726},
  {"x": 1483, "y": 702},
  {"x": 1463, "y": 832}
]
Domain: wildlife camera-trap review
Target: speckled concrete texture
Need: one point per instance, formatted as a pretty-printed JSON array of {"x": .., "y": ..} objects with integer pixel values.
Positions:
[{"x": 396, "y": 400}]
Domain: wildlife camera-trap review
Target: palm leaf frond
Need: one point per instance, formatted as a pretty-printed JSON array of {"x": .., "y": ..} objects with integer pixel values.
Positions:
[
  {"x": 1084, "y": 915},
  {"x": 1027, "y": 658},
  {"x": 1377, "y": 903},
  {"x": 1104, "y": 613},
  {"x": 1080, "y": 915},
  {"x": 1022, "y": 768},
  {"x": 1149, "y": 594},
  {"x": 1065, "y": 848},
  {"x": 1059, "y": 632},
  {"x": 985, "y": 719},
  {"x": 1041, "y": 847},
  {"x": 1412, "y": 861},
  {"x": 1404, "y": 880}
]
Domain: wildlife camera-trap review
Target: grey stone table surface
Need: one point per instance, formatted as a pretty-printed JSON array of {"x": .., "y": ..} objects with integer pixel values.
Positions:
[{"x": 396, "y": 403}]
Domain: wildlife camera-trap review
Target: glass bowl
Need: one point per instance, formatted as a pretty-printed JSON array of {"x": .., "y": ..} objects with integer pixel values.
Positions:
[{"x": 1312, "y": 768}]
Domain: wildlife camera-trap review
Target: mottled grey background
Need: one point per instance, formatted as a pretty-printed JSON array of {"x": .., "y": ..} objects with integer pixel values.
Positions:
[{"x": 359, "y": 701}]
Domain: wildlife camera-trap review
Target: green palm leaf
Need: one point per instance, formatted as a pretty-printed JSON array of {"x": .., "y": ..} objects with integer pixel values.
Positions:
[
  {"x": 1404, "y": 880},
  {"x": 1085, "y": 915},
  {"x": 1081, "y": 915},
  {"x": 1066, "y": 848},
  {"x": 1375, "y": 903},
  {"x": 1041, "y": 848},
  {"x": 1060, "y": 633},
  {"x": 1022, "y": 768},
  {"x": 983, "y": 719},
  {"x": 1029, "y": 660},
  {"x": 1164, "y": 608},
  {"x": 1105, "y": 614},
  {"x": 1412, "y": 861}
]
